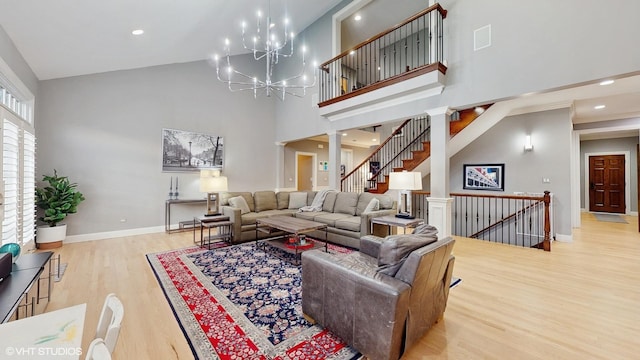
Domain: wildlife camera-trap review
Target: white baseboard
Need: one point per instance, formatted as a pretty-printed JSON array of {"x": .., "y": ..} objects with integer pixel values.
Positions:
[
  {"x": 633, "y": 213},
  {"x": 113, "y": 234},
  {"x": 564, "y": 238}
]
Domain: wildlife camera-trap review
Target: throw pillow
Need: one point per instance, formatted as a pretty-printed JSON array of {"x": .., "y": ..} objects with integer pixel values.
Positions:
[
  {"x": 373, "y": 205},
  {"x": 297, "y": 200},
  {"x": 395, "y": 249},
  {"x": 240, "y": 203},
  {"x": 425, "y": 230}
]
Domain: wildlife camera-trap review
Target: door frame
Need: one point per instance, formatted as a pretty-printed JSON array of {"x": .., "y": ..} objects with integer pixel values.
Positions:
[
  {"x": 314, "y": 168},
  {"x": 627, "y": 177}
]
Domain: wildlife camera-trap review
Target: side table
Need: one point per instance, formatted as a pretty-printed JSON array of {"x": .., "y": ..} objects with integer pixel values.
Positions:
[
  {"x": 390, "y": 221},
  {"x": 220, "y": 223}
]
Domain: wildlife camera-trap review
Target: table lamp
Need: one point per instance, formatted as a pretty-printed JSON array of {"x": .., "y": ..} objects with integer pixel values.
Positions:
[
  {"x": 405, "y": 181},
  {"x": 211, "y": 183}
]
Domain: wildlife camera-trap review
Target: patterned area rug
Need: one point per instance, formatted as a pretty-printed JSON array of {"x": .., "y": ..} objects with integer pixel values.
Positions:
[{"x": 240, "y": 302}]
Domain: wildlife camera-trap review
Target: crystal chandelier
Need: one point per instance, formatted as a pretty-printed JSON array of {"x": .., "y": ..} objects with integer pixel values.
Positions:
[{"x": 268, "y": 44}]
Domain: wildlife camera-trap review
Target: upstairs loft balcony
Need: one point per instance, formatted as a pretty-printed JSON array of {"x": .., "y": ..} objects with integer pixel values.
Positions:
[{"x": 403, "y": 60}]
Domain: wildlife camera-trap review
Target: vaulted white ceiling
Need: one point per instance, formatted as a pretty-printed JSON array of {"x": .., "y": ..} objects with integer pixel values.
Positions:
[{"x": 63, "y": 38}]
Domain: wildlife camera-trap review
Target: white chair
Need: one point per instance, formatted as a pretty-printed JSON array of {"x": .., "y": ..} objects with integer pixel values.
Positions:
[
  {"x": 98, "y": 350},
  {"x": 110, "y": 320}
]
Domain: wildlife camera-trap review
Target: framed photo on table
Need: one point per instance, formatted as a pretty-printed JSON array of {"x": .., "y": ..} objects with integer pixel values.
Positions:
[{"x": 483, "y": 177}]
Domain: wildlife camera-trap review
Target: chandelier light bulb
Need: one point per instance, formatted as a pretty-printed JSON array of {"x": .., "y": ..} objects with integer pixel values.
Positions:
[{"x": 270, "y": 44}]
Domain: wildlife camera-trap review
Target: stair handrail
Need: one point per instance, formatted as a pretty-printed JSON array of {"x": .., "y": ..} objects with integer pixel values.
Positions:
[{"x": 366, "y": 160}]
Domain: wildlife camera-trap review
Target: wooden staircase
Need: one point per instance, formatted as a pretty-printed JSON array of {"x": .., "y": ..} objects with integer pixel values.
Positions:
[{"x": 467, "y": 116}]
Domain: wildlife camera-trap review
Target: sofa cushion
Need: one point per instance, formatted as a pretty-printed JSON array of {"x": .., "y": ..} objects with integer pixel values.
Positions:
[
  {"x": 395, "y": 249},
  {"x": 329, "y": 201},
  {"x": 385, "y": 202},
  {"x": 373, "y": 205},
  {"x": 265, "y": 200},
  {"x": 351, "y": 223},
  {"x": 331, "y": 218},
  {"x": 240, "y": 203},
  {"x": 282, "y": 198},
  {"x": 310, "y": 196},
  {"x": 309, "y": 215},
  {"x": 297, "y": 200},
  {"x": 248, "y": 197},
  {"x": 346, "y": 203}
]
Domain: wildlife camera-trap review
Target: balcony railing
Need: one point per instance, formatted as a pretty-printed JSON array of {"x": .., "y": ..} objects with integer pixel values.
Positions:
[
  {"x": 521, "y": 220},
  {"x": 409, "y": 49}
]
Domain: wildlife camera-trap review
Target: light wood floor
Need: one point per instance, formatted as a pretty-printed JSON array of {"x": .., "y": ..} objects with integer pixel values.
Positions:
[{"x": 580, "y": 301}]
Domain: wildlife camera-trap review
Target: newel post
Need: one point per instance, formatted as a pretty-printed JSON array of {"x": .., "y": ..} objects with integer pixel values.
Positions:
[{"x": 546, "y": 243}]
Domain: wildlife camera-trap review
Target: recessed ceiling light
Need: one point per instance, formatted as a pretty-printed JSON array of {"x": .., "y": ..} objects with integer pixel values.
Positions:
[
  {"x": 344, "y": 134},
  {"x": 357, "y": 17},
  {"x": 599, "y": 107},
  {"x": 607, "y": 82},
  {"x": 137, "y": 32},
  {"x": 374, "y": 140}
]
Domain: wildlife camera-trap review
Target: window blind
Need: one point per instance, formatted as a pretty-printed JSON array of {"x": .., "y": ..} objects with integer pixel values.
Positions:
[
  {"x": 28, "y": 186},
  {"x": 10, "y": 155}
]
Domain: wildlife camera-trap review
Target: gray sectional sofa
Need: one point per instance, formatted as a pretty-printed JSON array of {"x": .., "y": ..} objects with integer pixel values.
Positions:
[{"x": 343, "y": 212}]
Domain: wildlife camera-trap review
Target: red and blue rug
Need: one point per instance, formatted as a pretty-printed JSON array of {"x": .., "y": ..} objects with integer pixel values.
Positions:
[{"x": 240, "y": 302}]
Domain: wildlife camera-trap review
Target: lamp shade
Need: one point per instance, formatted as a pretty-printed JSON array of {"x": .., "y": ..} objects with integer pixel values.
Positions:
[
  {"x": 405, "y": 180},
  {"x": 210, "y": 183}
]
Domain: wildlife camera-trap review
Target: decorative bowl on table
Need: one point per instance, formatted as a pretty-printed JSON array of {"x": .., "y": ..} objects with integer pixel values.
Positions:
[{"x": 11, "y": 248}]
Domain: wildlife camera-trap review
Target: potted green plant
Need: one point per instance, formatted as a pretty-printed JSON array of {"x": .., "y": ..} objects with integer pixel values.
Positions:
[{"x": 57, "y": 200}]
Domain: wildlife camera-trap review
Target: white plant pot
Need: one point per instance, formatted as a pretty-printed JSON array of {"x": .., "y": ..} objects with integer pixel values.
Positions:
[{"x": 48, "y": 237}]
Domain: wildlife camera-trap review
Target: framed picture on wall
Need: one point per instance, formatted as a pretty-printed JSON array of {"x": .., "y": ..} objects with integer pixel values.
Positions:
[
  {"x": 191, "y": 151},
  {"x": 483, "y": 177}
]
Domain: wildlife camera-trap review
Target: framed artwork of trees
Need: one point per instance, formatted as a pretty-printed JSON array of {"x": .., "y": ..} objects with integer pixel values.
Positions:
[{"x": 191, "y": 151}]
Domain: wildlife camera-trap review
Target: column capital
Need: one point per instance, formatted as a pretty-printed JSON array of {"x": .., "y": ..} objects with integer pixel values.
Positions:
[
  {"x": 444, "y": 110},
  {"x": 280, "y": 143}
]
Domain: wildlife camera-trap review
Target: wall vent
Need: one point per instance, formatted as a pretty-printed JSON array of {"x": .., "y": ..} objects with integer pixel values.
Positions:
[{"x": 482, "y": 38}]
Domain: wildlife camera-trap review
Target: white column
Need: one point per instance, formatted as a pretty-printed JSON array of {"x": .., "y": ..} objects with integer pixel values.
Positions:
[
  {"x": 440, "y": 201},
  {"x": 440, "y": 215},
  {"x": 335, "y": 145},
  {"x": 280, "y": 165}
]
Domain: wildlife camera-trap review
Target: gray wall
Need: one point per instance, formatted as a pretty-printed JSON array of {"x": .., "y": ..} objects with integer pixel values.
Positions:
[
  {"x": 10, "y": 54},
  {"x": 104, "y": 132},
  {"x": 611, "y": 145},
  {"x": 504, "y": 143}
]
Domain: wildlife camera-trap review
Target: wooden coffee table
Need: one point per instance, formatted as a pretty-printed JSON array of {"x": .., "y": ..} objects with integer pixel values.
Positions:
[{"x": 291, "y": 226}]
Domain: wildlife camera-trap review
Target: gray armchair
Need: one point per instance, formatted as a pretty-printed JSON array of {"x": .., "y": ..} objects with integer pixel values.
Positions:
[{"x": 382, "y": 299}]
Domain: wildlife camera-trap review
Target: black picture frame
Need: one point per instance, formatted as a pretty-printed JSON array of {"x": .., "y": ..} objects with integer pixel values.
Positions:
[
  {"x": 483, "y": 177},
  {"x": 187, "y": 151}
]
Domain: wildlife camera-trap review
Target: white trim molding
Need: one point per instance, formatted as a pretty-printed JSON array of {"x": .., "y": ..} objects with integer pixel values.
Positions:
[{"x": 113, "y": 234}]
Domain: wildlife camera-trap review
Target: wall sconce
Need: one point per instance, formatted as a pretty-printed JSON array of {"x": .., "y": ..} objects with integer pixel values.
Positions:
[{"x": 528, "y": 146}]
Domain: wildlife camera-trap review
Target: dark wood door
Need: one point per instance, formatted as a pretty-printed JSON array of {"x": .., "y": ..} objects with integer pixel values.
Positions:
[{"x": 606, "y": 183}]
